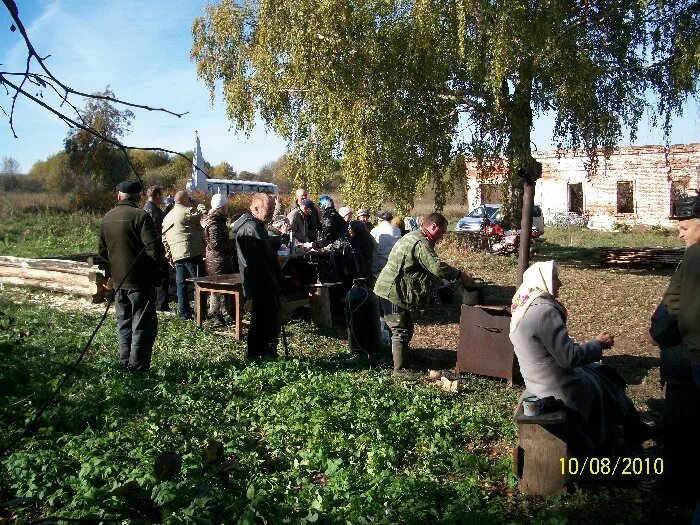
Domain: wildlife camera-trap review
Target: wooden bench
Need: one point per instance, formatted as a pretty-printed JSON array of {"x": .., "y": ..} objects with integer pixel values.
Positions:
[{"x": 541, "y": 459}]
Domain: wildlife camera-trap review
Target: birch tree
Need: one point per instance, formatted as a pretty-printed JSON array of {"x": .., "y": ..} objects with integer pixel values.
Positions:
[{"x": 380, "y": 85}]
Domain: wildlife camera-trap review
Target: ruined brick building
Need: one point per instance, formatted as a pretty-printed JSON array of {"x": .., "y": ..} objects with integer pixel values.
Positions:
[{"x": 636, "y": 185}]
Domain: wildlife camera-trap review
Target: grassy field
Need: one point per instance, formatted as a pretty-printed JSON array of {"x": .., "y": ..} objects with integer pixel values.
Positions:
[{"x": 321, "y": 437}]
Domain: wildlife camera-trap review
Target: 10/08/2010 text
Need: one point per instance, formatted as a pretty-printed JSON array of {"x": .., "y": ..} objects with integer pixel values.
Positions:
[{"x": 611, "y": 466}]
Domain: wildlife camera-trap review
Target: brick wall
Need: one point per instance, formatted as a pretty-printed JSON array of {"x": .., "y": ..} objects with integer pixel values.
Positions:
[{"x": 653, "y": 171}]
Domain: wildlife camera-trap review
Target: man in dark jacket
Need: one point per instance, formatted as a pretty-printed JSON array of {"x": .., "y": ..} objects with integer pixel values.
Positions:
[
  {"x": 681, "y": 364},
  {"x": 333, "y": 226},
  {"x": 155, "y": 196},
  {"x": 128, "y": 242},
  {"x": 261, "y": 276}
]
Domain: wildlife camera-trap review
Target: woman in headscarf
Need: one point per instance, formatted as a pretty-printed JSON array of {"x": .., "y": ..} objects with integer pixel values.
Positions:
[
  {"x": 552, "y": 364},
  {"x": 220, "y": 254}
]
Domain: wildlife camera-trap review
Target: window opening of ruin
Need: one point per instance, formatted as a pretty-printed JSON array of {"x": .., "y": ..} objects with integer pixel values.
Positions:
[
  {"x": 625, "y": 197},
  {"x": 490, "y": 193},
  {"x": 576, "y": 198}
]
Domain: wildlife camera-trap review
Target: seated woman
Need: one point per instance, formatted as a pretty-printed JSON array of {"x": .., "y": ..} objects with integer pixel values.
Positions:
[{"x": 552, "y": 364}]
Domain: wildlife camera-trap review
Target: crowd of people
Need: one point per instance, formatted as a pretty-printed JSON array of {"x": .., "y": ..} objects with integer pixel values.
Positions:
[{"x": 141, "y": 245}]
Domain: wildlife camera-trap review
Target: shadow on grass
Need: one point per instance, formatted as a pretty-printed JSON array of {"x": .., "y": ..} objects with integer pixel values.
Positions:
[
  {"x": 634, "y": 368},
  {"x": 571, "y": 255}
]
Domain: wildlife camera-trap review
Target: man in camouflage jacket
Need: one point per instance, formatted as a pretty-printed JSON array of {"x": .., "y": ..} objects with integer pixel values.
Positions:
[{"x": 402, "y": 286}]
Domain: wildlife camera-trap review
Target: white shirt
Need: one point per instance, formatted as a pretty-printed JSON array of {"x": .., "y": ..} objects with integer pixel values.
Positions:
[{"x": 386, "y": 235}]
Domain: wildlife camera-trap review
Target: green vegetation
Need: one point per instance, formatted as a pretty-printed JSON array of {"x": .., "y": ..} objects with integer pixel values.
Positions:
[
  {"x": 388, "y": 87},
  {"x": 206, "y": 437},
  {"x": 40, "y": 225},
  {"x": 315, "y": 438}
]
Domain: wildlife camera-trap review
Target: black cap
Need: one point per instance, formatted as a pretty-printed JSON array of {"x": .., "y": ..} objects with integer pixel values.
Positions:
[
  {"x": 686, "y": 208},
  {"x": 385, "y": 215},
  {"x": 130, "y": 186}
]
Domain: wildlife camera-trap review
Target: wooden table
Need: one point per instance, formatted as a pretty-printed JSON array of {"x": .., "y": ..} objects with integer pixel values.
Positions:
[
  {"x": 317, "y": 298},
  {"x": 227, "y": 284}
]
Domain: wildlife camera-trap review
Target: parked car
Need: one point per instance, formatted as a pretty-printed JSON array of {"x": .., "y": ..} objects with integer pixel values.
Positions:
[
  {"x": 474, "y": 222},
  {"x": 537, "y": 218}
]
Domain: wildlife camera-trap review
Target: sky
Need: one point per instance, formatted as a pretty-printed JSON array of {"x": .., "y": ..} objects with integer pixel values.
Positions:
[{"x": 141, "y": 50}]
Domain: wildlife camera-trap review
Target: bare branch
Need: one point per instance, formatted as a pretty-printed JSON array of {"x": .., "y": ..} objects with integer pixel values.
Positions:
[
  {"x": 31, "y": 53},
  {"x": 68, "y": 120}
]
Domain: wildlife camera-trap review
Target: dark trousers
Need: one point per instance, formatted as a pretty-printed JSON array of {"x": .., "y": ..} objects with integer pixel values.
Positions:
[
  {"x": 163, "y": 288},
  {"x": 185, "y": 268},
  {"x": 137, "y": 326},
  {"x": 263, "y": 334}
]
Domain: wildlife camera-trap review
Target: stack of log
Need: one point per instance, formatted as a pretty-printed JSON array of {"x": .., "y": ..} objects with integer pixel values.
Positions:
[
  {"x": 641, "y": 257},
  {"x": 78, "y": 277}
]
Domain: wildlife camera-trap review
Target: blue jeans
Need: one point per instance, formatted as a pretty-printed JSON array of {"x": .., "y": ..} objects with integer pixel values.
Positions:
[
  {"x": 185, "y": 268},
  {"x": 137, "y": 326}
]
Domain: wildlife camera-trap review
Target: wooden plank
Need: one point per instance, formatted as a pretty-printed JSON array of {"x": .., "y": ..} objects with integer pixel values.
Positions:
[{"x": 46, "y": 285}]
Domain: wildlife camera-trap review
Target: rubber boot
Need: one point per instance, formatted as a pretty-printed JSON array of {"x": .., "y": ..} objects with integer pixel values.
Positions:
[{"x": 398, "y": 352}]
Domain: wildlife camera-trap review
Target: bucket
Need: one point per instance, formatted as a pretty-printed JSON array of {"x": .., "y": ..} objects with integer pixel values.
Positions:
[{"x": 473, "y": 294}]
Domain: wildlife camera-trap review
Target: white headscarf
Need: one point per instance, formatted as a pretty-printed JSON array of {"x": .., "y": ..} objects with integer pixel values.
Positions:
[
  {"x": 537, "y": 281},
  {"x": 218, "y": 201}
]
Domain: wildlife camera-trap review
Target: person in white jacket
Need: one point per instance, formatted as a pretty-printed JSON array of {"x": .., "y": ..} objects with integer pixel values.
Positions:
[{"x": 386, "y": 236}]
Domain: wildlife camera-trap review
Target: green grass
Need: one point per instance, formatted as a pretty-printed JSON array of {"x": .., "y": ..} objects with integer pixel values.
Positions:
[
  {"x": 315, "y": 435},
  {"x": 585, "y": 238},
  {"x": 318, "y": 437},
  {"x": 46, "y": 234},
  {"x": 40, "y": 225}
]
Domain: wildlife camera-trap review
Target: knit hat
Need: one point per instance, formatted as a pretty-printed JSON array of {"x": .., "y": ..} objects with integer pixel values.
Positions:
[
  {"x": 218, "y": 201},
  {"x": 308, "y": 203},
  {"x": 344, "y": 210}
]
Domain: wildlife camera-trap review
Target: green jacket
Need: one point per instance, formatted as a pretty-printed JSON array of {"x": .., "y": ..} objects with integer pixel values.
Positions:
[
  {"x": 412, "y": 262},
  {"x": 682, "y": 298},
  {"x": 128, "y": 242}
]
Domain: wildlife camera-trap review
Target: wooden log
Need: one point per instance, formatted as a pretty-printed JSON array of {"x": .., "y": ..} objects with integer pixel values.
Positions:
[
  {"x": 56, "y": 265},
  {"x": 31, "y": 274},
  {"x": 542, "y": 449},
  {"x": 74, "y": 277}
]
